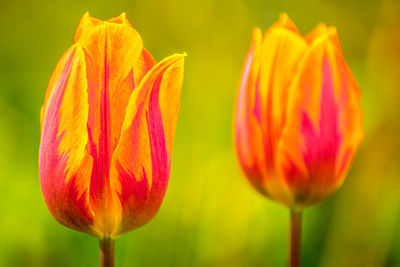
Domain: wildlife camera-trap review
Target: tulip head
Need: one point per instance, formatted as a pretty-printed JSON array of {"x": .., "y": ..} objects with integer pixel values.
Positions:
[
  {"x": 298, "y": 121},
  {"x": 108, "y": 124}
]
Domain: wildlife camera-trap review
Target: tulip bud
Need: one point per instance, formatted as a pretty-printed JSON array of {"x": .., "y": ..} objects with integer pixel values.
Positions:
[
  {"x": 108, "y": 124},
  {"x": 298, "y": 120}
]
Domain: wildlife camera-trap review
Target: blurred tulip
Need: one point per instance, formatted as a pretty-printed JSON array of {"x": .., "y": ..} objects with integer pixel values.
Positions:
[
  {"x": 298, "y": 120},
  {"x": 108, "y": 124}
]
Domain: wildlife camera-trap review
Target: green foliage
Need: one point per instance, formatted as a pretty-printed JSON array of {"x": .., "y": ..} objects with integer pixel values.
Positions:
[{"x": 210, "y": 215}]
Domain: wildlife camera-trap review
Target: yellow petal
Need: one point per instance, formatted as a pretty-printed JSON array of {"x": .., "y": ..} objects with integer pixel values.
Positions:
[
  {"x": 53, "y": 81},
  {"x": 111, "y": 51},
  {"x": 281, "y": 53},
  {"x": 121, "y": 19},
  {"x": 86, "y": 23},
  {"x": 140, "y": 164}
]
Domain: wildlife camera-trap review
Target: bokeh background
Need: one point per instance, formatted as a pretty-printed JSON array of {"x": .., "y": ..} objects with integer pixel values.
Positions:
[{"x": 210, "y": 215}]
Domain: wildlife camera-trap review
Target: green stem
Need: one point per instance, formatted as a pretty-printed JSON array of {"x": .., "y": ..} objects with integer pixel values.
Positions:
[
  {"x": 295, "y": 238},
  {"x": 106, "y": 252}
]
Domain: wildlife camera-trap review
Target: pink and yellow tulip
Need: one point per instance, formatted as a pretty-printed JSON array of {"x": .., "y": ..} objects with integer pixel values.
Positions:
[
  {"x": 108, "y": 124},
  {"x": 298, "y": 121}
]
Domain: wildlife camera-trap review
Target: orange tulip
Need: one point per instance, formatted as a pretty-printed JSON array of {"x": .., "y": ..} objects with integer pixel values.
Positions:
[
  {"x": 298, "y": 120},
  {"x": 108, "y": 124}
]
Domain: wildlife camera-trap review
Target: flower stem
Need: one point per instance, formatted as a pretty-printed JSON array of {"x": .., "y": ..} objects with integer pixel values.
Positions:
[
  {"x": 106, "y": 252},
  {"x": 295, "y": 238}
]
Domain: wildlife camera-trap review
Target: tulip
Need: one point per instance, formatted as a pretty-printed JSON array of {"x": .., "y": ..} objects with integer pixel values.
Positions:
[
  {"x": 298, "y": 121},
  {"x": 107, "y": 129}
]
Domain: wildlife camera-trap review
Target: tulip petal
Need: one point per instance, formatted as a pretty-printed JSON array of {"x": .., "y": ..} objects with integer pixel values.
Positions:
[
  {"x": 144, "y": 64},
  {"x": 141, "y": 161},
  {"x": 86, "y": 24},
  {"x": 121, "y": 19},
  {"x": 64, "y": 163},
  {"x": 284, "y": 22},
  {"x": 111, "y": 51},
  {"x": 248, "y": 133},
  {"x": 311, "y": 142},
  {"x": 348, "y": 101},
  {"x": 281, "y": 51},
  {"x": 302, "y": 141},
  {"x": 319, "y": 31},
  {"x": 60, "y": 67}
]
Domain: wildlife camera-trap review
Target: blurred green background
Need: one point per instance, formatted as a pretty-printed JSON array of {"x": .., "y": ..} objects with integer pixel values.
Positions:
[{"x": 210, "y": 215}]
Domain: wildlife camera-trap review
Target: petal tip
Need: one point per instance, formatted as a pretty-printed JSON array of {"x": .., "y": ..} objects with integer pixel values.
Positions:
[
  {"x": 284, "y": 19},
  {"x": 286, "y": 22},
  {"x": 257, "y": 31},
  {"x": 283, "y": 16},
  {"x": 257, "y": 35},
  {"x": 332, "y": 31},
  {"x": 177, "y": 60},
  {"x": 121, "y": 19},
  {"x": 177, "y": 57},
  {"x": 86, "y": 23}
]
